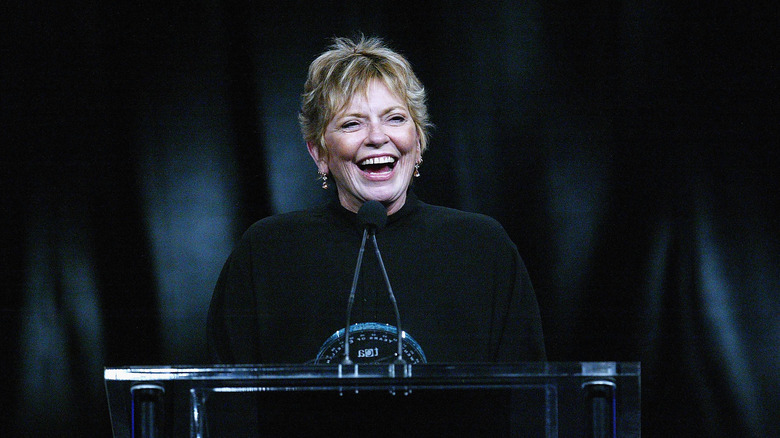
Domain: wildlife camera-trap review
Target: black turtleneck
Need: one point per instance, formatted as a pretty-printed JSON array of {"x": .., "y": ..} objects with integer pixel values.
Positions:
[{"x": 462, "y": 290}]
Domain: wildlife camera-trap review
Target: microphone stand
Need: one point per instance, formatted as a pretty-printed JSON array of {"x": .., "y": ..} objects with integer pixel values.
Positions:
[
  {"x": 399, "y": 359},
  {"x": 346, "y": 360},
  {"x": 372, "y": 215}
]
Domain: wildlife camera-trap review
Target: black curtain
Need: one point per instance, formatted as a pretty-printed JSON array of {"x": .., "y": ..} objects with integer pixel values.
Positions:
[{"x": 628, "y": 149}]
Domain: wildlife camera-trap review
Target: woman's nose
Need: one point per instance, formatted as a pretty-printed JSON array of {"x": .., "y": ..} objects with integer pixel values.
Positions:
[{"x": 376, "y": 135}]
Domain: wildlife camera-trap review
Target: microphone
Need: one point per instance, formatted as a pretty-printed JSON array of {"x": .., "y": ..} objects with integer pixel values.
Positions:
[{"x": 372, "y": 216}]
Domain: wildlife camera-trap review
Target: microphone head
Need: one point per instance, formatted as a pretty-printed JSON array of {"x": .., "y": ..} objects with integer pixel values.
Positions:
[{"x": 372, "y": 214}]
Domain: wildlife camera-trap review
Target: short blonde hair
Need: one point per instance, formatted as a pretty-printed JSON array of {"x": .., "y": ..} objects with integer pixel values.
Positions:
[{"x": 346, "y": 68}]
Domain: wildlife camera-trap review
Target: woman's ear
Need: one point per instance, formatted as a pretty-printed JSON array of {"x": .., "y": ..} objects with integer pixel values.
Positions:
[{"x": 319, "y": 156}]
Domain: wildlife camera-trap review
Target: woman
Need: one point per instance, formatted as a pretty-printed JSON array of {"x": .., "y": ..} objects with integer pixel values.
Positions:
[{"x": 463, "y": 292}]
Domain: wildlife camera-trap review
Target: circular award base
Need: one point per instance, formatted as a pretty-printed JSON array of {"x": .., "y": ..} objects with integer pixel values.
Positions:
[{"x": 370, "y": 342}]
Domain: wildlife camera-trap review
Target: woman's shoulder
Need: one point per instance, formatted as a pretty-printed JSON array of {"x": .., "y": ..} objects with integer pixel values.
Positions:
[
  {"x": 286, "y": 219},
  {"x": 463, "y": 222},
  {"x": 286, "y": 225},
  {"x": 450, "y": 216}
]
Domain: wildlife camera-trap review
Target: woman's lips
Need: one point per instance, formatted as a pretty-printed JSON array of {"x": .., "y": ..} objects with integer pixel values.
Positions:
[{"x": 377, "y": 168}]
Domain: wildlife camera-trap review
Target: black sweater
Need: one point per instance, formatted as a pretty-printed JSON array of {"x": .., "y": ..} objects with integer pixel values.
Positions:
[{"x": 462, "y": 289}]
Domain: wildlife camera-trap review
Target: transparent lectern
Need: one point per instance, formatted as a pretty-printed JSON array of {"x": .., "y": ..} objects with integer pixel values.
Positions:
[{"x": 534, "y": 399}]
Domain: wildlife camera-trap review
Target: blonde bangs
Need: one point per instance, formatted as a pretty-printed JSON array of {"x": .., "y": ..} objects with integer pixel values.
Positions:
[{"x": 347, "y": 69}]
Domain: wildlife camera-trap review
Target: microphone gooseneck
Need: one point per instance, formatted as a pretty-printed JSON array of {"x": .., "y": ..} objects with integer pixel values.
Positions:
[
  {"x": 399, "y": 359},
  {"x": 372, "y": 217},
  {"x": 346, "y": 360}
]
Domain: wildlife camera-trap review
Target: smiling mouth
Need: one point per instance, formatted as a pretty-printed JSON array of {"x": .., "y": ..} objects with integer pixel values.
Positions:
[{"x": 377, "y": 164}]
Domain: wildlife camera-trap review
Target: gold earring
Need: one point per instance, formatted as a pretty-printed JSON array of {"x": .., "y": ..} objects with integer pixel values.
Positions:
[
  {"x": 324, "y": 178},
  {"x": 417, "y": 168}
]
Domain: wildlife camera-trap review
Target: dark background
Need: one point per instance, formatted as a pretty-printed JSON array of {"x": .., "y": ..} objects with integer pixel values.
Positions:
[{"x": 629, "y": 150}]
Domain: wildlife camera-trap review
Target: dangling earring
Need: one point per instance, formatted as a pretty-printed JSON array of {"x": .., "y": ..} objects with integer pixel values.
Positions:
[
  {"x": 417, "y": 168},
  {"x": 324, "y": 178}
]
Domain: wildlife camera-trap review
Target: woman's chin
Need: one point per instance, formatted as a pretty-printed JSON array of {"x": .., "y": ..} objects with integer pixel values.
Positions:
[
  {"x": 383, "y": 194},
  {"x": 393, "y": 201},
  {"x": 388, "y": 193}
]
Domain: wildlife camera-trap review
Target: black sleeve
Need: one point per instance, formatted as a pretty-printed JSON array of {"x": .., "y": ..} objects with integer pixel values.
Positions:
[
  {"x": 524, "y": 319},
  {"x": 516, "y": 314},
  {"x": 232, "y": 326}
]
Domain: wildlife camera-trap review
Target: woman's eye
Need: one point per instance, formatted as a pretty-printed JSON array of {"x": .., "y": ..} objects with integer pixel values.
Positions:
[
  {"x": 397, "y": 118},
  {"x": 352, "y": 124}
]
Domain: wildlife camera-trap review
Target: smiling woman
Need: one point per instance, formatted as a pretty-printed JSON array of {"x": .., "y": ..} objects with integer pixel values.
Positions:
[{"x": 462, "y": 287}]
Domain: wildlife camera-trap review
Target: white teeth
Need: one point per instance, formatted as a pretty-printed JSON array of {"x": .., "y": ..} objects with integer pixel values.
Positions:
[{"x": 377, "y": 160}]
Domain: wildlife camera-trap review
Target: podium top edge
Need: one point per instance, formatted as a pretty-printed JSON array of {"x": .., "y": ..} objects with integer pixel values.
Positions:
[{"x": 308, "y": 371}]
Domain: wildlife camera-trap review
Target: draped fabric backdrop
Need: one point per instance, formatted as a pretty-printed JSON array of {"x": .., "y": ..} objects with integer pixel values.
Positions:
[{"x": 630, "y": 151}]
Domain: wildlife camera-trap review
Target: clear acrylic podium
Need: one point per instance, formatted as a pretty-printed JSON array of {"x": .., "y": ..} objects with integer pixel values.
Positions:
[{"x": 534, "y": 399}]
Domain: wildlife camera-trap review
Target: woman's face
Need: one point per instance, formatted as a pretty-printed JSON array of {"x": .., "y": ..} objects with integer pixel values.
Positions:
[{"x": 372, "y": 147}]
